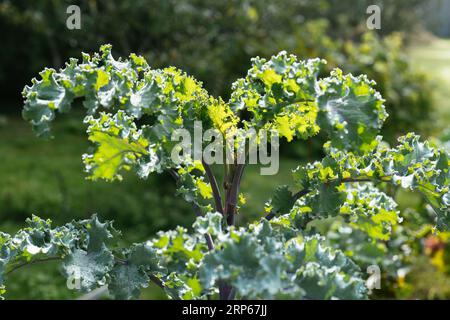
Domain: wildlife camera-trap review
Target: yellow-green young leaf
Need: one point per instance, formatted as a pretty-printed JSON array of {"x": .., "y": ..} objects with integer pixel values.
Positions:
[
  {"x": 204, "y": 189},
  {"x": 102, "y": 79},
  {"x": 379, "y": 225},
  {"x": 269, "y": 77},
  {"x": 242, "y": 199},
  {"x": 113, "y": 153},
  {"x": 377, "y": 228},
  {"x": 284, "y": 128},
  {"x": 222, "y": 117},
  {"x": 195, "y": 286},
  {"x": 189, "y": 86}
]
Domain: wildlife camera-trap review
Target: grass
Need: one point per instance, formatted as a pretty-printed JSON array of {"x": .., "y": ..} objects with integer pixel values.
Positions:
[{"x": 433, "y": 57}]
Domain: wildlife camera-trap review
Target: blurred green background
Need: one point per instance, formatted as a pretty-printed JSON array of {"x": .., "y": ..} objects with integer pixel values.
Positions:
[{"x": 409, "y": 57}]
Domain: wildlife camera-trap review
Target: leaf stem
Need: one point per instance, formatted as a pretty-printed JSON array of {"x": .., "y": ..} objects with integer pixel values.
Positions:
[
  {"x": 214, "y": 187},
  {"x": 32, "y": 262},
  {"x": 231, "y": 200}
]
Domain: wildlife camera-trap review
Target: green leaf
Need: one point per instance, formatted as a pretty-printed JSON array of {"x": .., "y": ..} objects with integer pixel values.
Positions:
[
  {"x": 128, "y": 277},
  {"x": 91, "y": 264},
  {"x": 351, "y": 111},
  {"x": 280, "y": 95},
  {"x": 43, "y": 97},
  {"x": 325, "y": 273},
  {"x": 119, "y": 146},
  {"x": 90, "y": 268},
  {"x": 412, "y": 164},
  {"x": 211, "y": 223},
  {"x": 261, "y": 263},
  {"x": 282, "y": 200}
]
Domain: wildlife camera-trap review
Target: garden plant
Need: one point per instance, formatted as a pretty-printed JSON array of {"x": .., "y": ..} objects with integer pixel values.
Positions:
[{"x": 133, "y": 112}]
